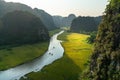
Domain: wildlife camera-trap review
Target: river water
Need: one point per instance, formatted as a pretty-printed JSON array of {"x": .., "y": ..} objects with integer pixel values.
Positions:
[{"x": 55, "y": 51}]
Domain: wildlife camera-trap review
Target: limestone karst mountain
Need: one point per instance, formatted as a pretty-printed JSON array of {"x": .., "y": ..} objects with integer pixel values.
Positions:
[
  {"x": 19, "y": 27},
  {"x": 46, "y": 18}
]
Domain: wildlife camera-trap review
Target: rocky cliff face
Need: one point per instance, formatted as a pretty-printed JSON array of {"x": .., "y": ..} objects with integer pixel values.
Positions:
[{"x": 105, "y": 61}]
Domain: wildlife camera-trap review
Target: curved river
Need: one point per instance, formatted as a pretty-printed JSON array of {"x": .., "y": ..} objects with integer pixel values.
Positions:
[{"x": 55, "y": 51}]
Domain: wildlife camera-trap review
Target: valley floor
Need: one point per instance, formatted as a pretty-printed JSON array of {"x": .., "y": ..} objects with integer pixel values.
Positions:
[
  {"x": 74, "y": 61},
  {"x": 77, "y": 48}
]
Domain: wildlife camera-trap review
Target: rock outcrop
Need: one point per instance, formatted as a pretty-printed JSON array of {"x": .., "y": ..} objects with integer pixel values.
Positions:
[{"x": 105, "y": 61}]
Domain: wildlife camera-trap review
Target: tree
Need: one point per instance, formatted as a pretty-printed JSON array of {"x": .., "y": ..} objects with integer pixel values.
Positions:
[{"x": 92, "y": 37}]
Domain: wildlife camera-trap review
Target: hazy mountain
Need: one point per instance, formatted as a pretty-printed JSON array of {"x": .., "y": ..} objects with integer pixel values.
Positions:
[
  {"x": 63, "y": 21},
  {"x": 47, "y": 19},
  {"x": 87, "y": 24}
]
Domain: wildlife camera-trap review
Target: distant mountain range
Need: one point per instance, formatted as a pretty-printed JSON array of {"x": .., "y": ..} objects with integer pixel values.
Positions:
[
  {"x": 46, "y": 18},
  {"x": 53, "y": 22},
  {"x": 63, "y": 21}
]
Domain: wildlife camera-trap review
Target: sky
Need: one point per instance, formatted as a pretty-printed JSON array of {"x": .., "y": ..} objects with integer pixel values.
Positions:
[{"x": 66, "y": 7}]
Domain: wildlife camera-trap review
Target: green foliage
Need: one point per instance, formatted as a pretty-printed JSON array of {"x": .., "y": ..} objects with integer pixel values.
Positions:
[
  {"x": 92, "y": 37},
  {"x": 105, "y": 60}
]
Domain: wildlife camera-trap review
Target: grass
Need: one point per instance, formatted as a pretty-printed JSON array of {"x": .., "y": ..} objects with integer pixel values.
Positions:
[
  {"x": 17, "y": 55},
  {"x": 69, "y": 67},
  {"x": 62, "y": 69},
  {"x": 77, "y": 48}
]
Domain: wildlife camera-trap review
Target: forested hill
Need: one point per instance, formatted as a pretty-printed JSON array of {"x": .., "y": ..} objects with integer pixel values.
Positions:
[
  {"x": 46, "y": 18},
  {"x": 63, "y": 21},
  {"x": 19, "y": 27},
  {"x": 105, "y": 61},
  {"x": 87, "y": 24}
]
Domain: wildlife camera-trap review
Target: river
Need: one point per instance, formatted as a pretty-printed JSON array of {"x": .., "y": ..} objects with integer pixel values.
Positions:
[{"x": 55, "y": 51}]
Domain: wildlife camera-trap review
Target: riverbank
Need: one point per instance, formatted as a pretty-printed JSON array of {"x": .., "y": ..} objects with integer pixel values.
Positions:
[
  {"x": 18, "y": 55},
  {"x": 52, "y": 32},
  {"x": 69, "y": 67},
  {"x": 62, "y": 69},
  {"x": 55, "y": 51},
  {"x": 14, "y": 56}
]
